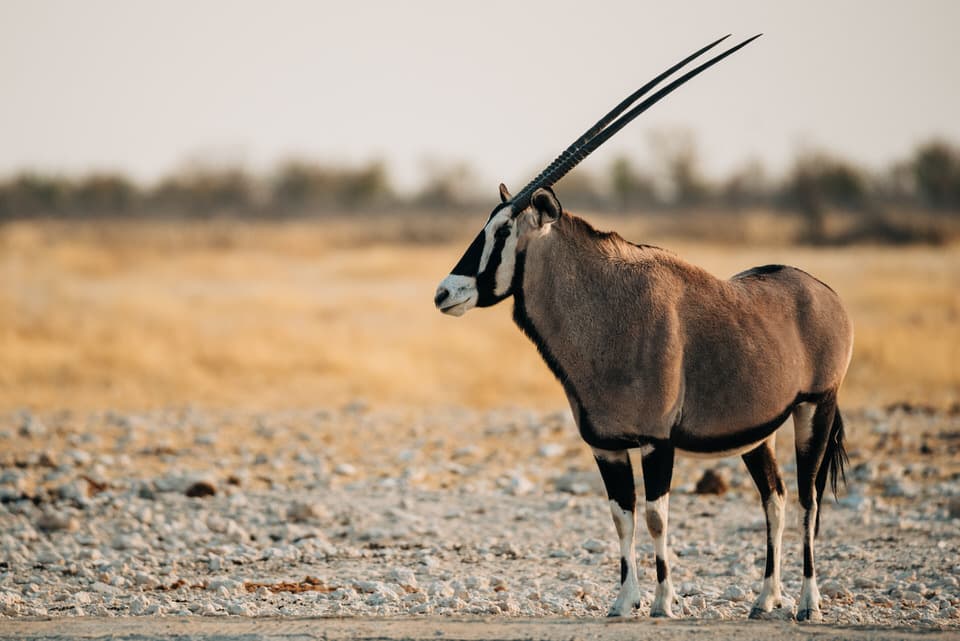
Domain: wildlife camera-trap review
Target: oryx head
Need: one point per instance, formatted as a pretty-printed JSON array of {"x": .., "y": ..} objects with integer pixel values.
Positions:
[{"x": 484, "y": 275}]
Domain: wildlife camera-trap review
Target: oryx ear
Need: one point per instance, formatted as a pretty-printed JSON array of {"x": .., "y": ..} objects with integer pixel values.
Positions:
[
  {"x": 504, "y": 193},
  {"x": 546, "y": 205}
]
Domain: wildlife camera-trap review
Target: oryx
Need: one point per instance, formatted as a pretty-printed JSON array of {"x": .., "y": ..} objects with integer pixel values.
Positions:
[{"x": 656, "y": 353}]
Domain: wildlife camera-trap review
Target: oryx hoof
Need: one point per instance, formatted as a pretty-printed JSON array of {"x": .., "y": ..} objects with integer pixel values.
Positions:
[
  {"x": 662, "y": 614},
  {"x": 762, "y": 611},
  {"x": 811, "y": 615},
  {"x": 623, "y": 611}
]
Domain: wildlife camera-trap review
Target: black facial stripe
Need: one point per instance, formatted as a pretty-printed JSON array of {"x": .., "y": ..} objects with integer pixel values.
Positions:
[
  {"x": 487, "y": 281},
  {"x": 469, "y": 263}
]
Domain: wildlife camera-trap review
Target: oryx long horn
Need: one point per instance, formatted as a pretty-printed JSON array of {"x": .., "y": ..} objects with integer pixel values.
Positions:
[{"x": 604, "y": 129}]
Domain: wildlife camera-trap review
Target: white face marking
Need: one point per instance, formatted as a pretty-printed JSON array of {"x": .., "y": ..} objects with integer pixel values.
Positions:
[
  {"x": 463, "y": 294},
  {"x": 492, "y": 225},
  {"x": 508, "y": 255}
]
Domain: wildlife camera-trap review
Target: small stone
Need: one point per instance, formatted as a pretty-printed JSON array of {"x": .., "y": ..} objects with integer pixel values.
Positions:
[
  {"x": 899, "y": 488},
  {"x": 303, "y": 512},
  {"x": 864, "y": 583},
  {"x": 688, "y": 588},
  {"x": 953, "y": 508},
  {"x": 910, "y": 596},
  {"x": 344, "y": 469},
  {"x": 52, "y": 521},
  {"x": 864, "y": 472},
  {"x": 31, "y": 426},
  {"x": 551, "y": 450},
  {"x": 72, "y": 491},
  {"x": 519, "y": 485},
  {"x": 47, "y": 459},
  {"x": 735, "y": 593},
  {"x": 711, "y": 483},
  {"x": 240, "y": 609},
  {"x": 834, "y": 589},
  {"x": 201, "y": 489},
  {"x": 102, "y": 588},
  {"x": 145, "y": 581},
  {"x": 594, "y": 546},
  {"x": 139, "y": 605},
  {"x": 404, "y": 577}
]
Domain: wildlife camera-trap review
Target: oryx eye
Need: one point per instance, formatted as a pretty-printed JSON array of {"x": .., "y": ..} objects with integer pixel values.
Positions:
[{"x": 502, "y": 232}]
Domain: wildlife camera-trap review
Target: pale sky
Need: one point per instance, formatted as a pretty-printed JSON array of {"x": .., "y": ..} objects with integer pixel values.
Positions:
[{"x": 143, "y": 87}]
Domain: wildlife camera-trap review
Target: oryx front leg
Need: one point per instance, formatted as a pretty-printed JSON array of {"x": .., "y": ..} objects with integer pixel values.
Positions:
[
  {"x": 762, "y": 464},
  {"x": 657, "y": 474},
  {"x": 617, "y": 476}
]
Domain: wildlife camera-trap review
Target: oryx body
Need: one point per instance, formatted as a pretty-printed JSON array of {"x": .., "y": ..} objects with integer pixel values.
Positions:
[{"x": 656, "y": 353}]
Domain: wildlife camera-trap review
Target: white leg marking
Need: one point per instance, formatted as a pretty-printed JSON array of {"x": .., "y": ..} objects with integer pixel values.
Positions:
[
  {"x": 657, "y": 516},
  {"x": 629, "y": 595},
  {"x": 770, "y": 594},
  {"x": 808, "y": 608}
]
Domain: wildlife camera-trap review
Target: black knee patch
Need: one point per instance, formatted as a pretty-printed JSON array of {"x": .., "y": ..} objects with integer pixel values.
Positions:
[
  {"x": 762, "y": 466},
  {"x": 618, "y": 480},
  {"x": 623, "y": 570},
  {"x": 657, "y": 471}
]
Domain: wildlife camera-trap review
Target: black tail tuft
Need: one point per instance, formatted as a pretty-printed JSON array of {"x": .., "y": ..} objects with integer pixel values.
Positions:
[{"x": 834, "y": 463}]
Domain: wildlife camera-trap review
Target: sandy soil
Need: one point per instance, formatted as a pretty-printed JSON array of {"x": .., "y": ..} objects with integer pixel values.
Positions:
[{"x": 434, "y": 628}]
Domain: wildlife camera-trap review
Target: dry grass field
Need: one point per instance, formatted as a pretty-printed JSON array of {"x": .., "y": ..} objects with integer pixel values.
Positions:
[{"x": 142, "y": 315}]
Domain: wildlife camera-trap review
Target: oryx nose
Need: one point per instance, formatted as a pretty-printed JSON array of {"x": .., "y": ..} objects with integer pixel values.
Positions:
[{"x": 442, "y": 294}]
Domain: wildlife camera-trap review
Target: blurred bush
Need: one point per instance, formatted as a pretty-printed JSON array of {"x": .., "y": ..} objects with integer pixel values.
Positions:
[{"x": 915, "y": 199}]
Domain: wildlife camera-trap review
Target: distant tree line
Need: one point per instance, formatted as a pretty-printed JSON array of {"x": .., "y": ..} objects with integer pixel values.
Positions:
[{"x": 818, "y": 183}]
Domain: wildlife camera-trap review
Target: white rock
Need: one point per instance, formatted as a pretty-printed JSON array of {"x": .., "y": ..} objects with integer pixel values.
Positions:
[
  {"x": 834, "y": 589},
  {"x": 519, "y": 485},
  {"x": 404, "y": 577},
  {"x": 102, "y": 588},
  {"x": 688, "y": 588},
  {"x": 145, "y": 581},
  {"x": 345, "y": 469},
  {"x": 551, "y": 450},
  {"x": 735, "y": 593},
  {"x": 240, "y": 609},
  {"x": 302, "y": 512},
  {"x": 31, "y": 426},
  {"x": 594, "y": 546},
  {"x": 911, "y": 597}
]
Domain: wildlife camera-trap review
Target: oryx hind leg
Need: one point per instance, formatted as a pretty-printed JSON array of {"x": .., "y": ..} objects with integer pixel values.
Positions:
[
  {"x": 617, "y": 473},
  {"x": 657, "y": 474},
  {"x": 762, "y": 465},
  {"x": 812, "y": 426}
]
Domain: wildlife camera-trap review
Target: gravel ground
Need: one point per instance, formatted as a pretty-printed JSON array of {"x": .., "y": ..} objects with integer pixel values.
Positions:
[{"x": 357, "y": 513}]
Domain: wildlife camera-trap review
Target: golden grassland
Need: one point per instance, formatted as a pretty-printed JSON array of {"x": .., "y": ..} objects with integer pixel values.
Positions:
[{"x": 258, "y": 315}]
